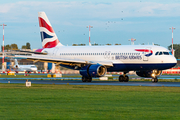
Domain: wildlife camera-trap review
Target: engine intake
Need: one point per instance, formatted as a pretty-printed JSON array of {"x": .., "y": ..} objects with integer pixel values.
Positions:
[
  {"x": 96, "y": 70},
  {"x": 152, "y": 74}
]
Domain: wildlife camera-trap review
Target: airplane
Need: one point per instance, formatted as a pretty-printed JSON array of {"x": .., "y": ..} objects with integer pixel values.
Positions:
[
  {"x": 24, "y": 68},
  {"x": 96, "y": 61}
]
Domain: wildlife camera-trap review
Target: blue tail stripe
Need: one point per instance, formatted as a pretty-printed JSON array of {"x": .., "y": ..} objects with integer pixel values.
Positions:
[{"x": 45, "y": 35}]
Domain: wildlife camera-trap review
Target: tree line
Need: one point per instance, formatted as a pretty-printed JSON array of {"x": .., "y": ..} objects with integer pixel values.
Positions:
[
  {"x": 15, "y": 47},
  {"x": 176, "y": 47}
]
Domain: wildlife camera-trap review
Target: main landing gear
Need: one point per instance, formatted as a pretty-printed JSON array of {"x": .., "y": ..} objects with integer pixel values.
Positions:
[
  {"x": 154, "y": 80},
  {"x": 86, "y": 79},
  {"x": 123, "y": 78}
]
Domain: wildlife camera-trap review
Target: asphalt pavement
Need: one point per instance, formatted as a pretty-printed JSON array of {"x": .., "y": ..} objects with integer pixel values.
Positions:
[{"x": 79, "y": 82}]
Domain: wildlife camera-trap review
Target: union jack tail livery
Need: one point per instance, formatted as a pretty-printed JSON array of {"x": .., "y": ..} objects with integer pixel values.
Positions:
[{"x": 48, "y": 36}]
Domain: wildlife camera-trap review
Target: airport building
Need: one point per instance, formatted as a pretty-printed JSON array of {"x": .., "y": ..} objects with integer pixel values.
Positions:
[{"x": 9, "y": 61}]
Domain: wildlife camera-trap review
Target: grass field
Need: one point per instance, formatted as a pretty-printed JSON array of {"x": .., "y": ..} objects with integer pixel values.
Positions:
[{"x": 88, "y": 102}]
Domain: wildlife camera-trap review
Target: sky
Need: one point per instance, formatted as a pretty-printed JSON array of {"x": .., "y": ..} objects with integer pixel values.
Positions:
[{"x": 115, "y": 21}]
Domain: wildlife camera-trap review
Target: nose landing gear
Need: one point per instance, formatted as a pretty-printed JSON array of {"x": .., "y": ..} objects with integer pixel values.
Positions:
[{"x": 154, "y": 80}]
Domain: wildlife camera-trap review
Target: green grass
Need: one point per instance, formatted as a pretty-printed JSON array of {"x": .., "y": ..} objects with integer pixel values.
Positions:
[{"x": 88, "y": 102}]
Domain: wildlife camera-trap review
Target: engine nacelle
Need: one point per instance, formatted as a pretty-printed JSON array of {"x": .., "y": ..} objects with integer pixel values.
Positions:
[
  {"x": 16, "y": 66},
  {"x": 153, "y": 73},
  {"x": 96, "y": 70}
]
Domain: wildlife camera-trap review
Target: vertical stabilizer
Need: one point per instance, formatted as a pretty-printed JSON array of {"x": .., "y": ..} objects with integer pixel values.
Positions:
[
  {"x": 15, "y": 62},
  {"x": 48, "y": 36}
]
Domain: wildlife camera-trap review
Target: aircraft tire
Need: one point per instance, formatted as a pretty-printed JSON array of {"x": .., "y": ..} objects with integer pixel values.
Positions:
[
  {"x": 121, "y": 78},
  {"x": 89, "y": 79},
  {"x": 84, "y": 79},
  {"x": 126, "y": 78},
  {"x": 155, "y": 80}
]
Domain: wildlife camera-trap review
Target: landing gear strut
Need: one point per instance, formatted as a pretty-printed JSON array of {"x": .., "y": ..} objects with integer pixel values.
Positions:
[
  {"x": 86, "y": 79},
  {"x": 123, "y": 78},
  {"x": 155, "y": 80}
]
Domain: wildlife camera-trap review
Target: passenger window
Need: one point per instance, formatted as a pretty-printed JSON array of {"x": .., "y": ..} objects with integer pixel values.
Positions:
[
  {"x": 160, "y": 53},
  {"x": 157, "y": 53}
]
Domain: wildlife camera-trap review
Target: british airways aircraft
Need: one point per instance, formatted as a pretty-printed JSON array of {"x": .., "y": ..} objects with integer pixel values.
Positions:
[{"x": 95, "y": 61}]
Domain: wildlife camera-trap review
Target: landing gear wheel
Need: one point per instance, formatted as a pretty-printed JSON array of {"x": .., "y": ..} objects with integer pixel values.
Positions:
[
  {"x": 154, "y": 80},
  {"x": 126, "y": 78},
  {"x": 121, "y": 78},
  {"x": 83, "y": 79},
  {"x": 89, "y": 79}
]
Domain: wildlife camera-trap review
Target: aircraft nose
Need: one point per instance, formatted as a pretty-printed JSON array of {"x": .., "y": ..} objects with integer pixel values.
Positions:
[{"x": 174, "y": 60}]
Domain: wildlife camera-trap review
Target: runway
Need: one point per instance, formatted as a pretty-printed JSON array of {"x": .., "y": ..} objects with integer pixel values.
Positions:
[{"x": 79, "y": 82}]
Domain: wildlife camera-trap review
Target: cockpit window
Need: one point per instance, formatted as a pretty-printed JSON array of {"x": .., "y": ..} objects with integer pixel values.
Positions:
[
  {"x": 157, "y": 53},
  {"x": 165, "y": 53},
  {"x": 160, "y": 53}
]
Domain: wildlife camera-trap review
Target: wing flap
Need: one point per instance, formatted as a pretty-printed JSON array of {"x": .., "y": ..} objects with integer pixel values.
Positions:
[
  {"x": 58, "y": 60},
  {"x": 52, "y": 59}
]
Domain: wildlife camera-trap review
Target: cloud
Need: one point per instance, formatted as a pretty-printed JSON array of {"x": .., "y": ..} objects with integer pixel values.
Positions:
[{"x": 89, "y": 10}]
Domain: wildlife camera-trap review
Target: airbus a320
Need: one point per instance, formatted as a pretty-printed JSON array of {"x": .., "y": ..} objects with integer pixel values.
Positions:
[{"x": 96, "y": 61}]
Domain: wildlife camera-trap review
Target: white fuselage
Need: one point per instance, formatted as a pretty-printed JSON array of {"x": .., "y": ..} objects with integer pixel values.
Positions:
[
  {"x": 24, "y": 68},
  {"x": 123, "y": 57}
]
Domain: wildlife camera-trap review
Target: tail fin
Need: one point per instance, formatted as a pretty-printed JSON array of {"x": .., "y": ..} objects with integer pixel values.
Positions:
[
  {"x": 48, "y": 36},
  {"x": 16, "y": 62}
]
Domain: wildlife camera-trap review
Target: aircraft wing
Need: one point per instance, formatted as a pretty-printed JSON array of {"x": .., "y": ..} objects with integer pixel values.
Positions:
[
  {"x": 23, "y": 51},
  {"x": 64, "y": 61}
]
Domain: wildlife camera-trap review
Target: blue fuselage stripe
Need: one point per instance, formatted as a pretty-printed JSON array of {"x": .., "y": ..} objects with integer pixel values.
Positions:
[{"x": 136, "y": 67}]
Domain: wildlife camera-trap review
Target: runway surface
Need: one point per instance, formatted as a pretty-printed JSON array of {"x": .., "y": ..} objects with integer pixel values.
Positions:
[{"x": 79, "y": 82}]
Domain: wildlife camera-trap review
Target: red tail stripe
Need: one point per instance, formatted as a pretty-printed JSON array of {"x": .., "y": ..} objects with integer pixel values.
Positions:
[
  {"x": 42, "y": 23},
  {"x": 39, "y": 50},
  {"x": 51, "y": 44},
  {"x": 143, "y": 50}
]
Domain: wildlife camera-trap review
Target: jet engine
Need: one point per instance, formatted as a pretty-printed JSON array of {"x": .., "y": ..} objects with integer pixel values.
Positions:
[
  {"x": 96, "y": 70},
  {"x": 152, "y": 74},
  {"x": 16, "y": 66}
]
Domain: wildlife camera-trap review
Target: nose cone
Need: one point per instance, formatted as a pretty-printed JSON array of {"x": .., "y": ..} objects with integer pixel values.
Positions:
[{"x": 173, "y": 61}]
